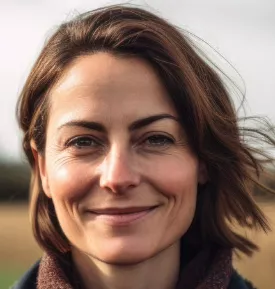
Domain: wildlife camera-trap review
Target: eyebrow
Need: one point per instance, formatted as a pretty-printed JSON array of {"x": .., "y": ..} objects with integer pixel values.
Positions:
[
  {"x": 136, "y": 125},
  {"x": 92, "y": 125},
  {"x": 140, "y": 123}
]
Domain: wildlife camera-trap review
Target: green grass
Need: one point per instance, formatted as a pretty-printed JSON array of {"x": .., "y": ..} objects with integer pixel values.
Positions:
[{"x": 8, "y": 277}]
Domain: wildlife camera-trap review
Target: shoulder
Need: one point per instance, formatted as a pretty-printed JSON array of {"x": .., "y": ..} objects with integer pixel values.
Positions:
[
  {"x": 238, "y": 282},
  {"x": 28, "y": 280}
]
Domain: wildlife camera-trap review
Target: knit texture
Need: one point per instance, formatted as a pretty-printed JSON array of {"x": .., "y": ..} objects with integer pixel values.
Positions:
[
  {"x": 209, "y": 269},
  {"x": 52, "y": 274}
]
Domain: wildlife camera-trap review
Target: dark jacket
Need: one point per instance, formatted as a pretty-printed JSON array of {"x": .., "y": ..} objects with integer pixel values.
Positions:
[{"x": 28, "y": 281}]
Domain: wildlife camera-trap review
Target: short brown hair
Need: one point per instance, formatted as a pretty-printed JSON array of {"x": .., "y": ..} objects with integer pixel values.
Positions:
[{"x": 200, "y": 98}]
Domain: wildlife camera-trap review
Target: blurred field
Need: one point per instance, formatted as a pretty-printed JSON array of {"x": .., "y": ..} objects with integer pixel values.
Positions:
[
  {"x": 18, "y": 249},
  {"x": 261, "y": 267}
]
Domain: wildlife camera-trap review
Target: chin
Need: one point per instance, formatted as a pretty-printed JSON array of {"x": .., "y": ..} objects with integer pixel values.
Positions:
[
  {"x": 124, "y": 259},
  {"x": 124, "y": 254}
]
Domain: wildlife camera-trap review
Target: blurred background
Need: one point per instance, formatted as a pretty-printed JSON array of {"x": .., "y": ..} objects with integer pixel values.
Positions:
[{"x": 242, "y": 31}]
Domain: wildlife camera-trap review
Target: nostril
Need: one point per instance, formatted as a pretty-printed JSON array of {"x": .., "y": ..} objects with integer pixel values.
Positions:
[
  {"x": 118, "y": 187},
  {"x": 120, "y": 184}
]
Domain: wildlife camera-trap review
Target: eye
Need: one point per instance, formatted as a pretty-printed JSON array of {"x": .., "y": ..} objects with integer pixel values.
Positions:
[
  {"x": 83, "y": 142},
  {"x": 158, "y": 141}
]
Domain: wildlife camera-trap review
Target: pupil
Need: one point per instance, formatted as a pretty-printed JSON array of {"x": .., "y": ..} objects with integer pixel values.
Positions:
[
  {"x": 158, "y": 140},
  {"x": 84, "y": 142}
]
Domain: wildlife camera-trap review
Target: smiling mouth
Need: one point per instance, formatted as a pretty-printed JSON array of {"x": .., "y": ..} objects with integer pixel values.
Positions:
[{"x": 121, "y": 216}]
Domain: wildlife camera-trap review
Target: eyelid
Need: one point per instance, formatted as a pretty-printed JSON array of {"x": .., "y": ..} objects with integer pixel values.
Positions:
[
  {"x": 147, "y": 135},
  {"x": 136, "y": 141},
  {"x": 71, "y": 141},
  {"x": 158, "y": 133}
]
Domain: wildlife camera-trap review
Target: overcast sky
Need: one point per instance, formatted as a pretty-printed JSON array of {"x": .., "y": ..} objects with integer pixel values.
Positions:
[{"x": 243, "y": 31}]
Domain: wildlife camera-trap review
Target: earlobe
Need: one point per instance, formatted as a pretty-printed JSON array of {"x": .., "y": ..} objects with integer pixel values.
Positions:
[
  {"x": 40, "y": 163},
  {"x": 203, "y": 175}
]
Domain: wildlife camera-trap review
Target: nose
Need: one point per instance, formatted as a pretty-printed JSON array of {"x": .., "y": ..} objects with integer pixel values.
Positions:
[{"x": 118, "y": 172}]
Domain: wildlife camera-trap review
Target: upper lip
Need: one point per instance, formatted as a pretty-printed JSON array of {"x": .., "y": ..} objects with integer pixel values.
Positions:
[{"x": 127, "y": 210}]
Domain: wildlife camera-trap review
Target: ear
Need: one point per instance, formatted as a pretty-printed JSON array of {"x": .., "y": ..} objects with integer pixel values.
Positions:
[
  {"x": 40, "y": 163},
  {"x": 203, "y": 175}
]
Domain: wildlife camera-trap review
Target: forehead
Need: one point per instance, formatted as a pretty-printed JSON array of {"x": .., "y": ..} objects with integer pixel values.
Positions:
[{"x": 103, "y": 83}]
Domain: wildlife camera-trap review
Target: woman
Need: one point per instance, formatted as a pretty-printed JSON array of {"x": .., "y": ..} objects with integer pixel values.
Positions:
[{"x": 138, "y": 165}]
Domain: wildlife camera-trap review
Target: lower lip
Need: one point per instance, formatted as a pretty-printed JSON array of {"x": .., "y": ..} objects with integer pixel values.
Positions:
[{"x": 122, "y": 219}]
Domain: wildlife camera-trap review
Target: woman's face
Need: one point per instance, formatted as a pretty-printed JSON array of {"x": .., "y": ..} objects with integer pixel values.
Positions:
[{"x": 117, "y": 163}]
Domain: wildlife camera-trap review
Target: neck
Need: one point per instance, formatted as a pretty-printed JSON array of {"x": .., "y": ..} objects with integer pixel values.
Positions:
[{"x": 160, "y": 271}]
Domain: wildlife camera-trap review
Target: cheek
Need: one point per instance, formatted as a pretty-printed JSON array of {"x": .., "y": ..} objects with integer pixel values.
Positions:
[
  {"x": 69, "y": 181},
  {"x": 176, "y": 177}
]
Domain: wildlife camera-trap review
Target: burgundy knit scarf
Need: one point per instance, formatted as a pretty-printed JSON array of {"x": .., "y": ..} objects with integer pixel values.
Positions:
[{"x": 209, "y": 269}]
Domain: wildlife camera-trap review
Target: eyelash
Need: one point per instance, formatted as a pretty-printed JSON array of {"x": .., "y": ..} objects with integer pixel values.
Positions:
[
  {"x": 75, "y": 141},
  {"x": 163, "y": 141}
]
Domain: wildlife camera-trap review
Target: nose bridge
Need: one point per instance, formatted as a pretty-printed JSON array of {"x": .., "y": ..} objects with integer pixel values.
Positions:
[{"x": 118, "y": 171}]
